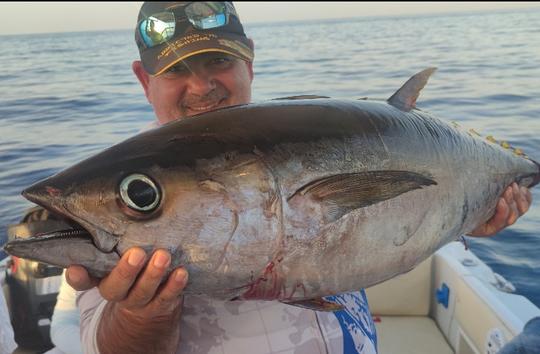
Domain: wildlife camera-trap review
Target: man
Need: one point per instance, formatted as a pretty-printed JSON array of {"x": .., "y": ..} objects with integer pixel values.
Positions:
[{"x": 204, "y": 64}]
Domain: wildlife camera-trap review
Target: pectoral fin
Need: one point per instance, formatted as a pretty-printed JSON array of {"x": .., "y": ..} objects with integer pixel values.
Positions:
[
  {"x": 317, "y": 304},
  {"x": 340, "y": 194}
]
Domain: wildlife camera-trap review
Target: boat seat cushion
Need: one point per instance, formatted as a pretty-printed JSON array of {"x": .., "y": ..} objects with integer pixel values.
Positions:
[{"x": 408, "y": 294}]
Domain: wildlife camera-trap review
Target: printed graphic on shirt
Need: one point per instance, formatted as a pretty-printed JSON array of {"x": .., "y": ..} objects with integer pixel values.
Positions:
[{"x": 359, "y": 334}]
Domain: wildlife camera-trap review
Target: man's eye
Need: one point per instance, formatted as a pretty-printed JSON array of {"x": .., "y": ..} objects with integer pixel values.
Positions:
[
  {"x": 177, "y": 69},
  {"x": 220, "y": 62}
]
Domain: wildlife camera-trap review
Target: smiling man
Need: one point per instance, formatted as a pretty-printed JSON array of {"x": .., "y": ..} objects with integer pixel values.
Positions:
[
  {"x": 206, "y": 66},
  {"x": 196, "y": 58}
]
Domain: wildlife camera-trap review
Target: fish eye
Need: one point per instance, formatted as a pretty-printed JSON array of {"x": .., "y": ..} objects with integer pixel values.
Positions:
[{"x": 140, "y": 193}]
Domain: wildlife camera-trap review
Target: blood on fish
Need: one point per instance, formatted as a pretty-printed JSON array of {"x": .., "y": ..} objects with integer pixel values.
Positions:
[
  {"x": 268, "y": 286},
  {"x": 53, "y": 192}
]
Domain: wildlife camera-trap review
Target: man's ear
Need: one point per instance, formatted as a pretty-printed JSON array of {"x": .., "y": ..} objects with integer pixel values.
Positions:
[
  {"x": 143, "y": 76},
  {"x": 250, "y": 70},
  {"x": 250, "y": 64},
  {"x": 251, "y": 44}
]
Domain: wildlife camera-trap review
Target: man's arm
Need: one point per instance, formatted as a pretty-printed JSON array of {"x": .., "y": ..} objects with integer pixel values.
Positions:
[{"x": 141, "y": 315}]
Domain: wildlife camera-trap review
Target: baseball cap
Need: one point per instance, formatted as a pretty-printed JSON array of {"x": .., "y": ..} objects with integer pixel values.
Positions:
[{"x": 168, "y": 32}]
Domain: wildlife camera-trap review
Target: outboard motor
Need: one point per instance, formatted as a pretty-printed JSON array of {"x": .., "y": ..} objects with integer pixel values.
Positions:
[{"x": 32, "y": 287}]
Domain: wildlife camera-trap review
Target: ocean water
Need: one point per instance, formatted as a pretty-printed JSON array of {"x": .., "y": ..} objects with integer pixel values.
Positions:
[{"x": 65, "y": 97}]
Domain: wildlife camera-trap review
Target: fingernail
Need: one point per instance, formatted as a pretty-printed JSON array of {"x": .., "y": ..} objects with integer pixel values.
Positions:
[
  {"x": 136, "y": 257},
  {"x": 161, "y": 260},
  {"x": 180, "y": 276},
  {"x": 72, "y": 278}
]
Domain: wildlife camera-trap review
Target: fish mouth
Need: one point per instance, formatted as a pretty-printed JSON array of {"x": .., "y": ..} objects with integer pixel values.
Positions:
[
  {"x": 22, "y": 236},
  {"x": 60, "y": 243},
  {"x": 50, "y": 198},
  {"x": 40, "y": 233}
]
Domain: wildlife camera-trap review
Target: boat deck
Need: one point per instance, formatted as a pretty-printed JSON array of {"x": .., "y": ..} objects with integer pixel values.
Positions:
[
  {"x": 401, "y": 312},
  {"x": 410, "y": 335}
]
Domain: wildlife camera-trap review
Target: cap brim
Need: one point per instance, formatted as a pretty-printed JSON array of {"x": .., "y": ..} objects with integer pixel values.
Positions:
[{"x": 160, "y": 58}]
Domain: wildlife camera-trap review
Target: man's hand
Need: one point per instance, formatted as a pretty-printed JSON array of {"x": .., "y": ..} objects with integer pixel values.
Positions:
[
  {"x": 139, "y": 307},
  {"x": 514, "y": 202}
]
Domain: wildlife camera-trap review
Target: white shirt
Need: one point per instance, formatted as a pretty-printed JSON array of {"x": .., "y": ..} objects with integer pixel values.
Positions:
[
  {"x": 211, "y": 327},
  {"x": 65, "y": 331}
]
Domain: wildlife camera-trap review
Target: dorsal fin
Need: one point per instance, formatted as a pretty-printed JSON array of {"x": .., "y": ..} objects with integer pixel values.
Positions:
[
  {"x": 405, "y": 97},
  {"x": 301, "y": 97}
]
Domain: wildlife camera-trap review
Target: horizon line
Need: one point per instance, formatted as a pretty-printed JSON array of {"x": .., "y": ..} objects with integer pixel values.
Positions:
[{"x": 307, "y": 21}]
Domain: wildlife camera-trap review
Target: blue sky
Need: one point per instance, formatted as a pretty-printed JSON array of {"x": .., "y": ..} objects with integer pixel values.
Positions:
[{"x": 43, "y": 17}]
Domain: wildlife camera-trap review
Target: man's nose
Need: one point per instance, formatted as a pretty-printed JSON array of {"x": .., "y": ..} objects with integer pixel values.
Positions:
[{"x": 200, "y": 83}]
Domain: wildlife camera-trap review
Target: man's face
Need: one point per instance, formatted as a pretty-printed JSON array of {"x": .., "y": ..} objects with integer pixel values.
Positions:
[{"x": 196, "y": 85}]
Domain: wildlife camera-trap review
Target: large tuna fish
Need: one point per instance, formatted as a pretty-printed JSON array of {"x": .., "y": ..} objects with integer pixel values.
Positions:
[{"x": 290, "y": 199}]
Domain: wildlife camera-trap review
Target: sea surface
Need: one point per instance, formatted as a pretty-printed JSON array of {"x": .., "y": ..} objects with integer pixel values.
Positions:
[{"x": 65, "y": 97}]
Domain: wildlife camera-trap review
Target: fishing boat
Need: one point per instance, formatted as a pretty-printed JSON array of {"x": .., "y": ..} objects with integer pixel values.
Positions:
[{"x": 450, "y": 303}]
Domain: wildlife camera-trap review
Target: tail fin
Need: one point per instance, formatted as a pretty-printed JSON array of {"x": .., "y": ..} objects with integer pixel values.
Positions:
[{"x": 536, "y": 178}]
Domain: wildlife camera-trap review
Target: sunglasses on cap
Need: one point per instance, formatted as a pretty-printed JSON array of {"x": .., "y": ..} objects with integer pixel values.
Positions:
[{"x": 160, "y": 27}]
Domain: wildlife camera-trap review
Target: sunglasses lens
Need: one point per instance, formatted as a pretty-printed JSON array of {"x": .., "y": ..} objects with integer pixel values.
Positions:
[
  {"x": 206, "y": 15},
  {"x": 157, "y": 28}
]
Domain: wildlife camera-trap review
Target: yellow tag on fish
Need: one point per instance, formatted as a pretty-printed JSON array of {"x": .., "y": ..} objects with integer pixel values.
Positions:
[
  {"x": 472, "y": 131},
  {"x": 490, "y": 138}
]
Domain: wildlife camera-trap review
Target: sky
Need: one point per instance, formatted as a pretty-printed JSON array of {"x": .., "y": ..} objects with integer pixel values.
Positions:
[{"x": 46, "y": 17}]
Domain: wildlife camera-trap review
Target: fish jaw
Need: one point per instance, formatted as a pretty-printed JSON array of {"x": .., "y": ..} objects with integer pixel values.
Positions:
[
  {"x": 64, "y": 248},
  {"x": 55, "y": 199}
]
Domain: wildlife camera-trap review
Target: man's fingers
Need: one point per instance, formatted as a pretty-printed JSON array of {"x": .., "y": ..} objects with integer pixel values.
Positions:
[
  {"x": 170, "y": 295},
  {"x": 145, "y": 288},
  {"x": 523, "y": 201},
  {"x": 514, "y": 202},
  {"x": 78, "y": 278},
  {"x": 116, "y": 285},
  {"x": 527, "y": 194},
  {"x": 508, "y": 194},
  {"x": 499, "y": 220}
]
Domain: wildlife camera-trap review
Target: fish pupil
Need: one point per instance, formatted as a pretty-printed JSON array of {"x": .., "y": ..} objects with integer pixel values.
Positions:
[{"x": 141, "y": 193}]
